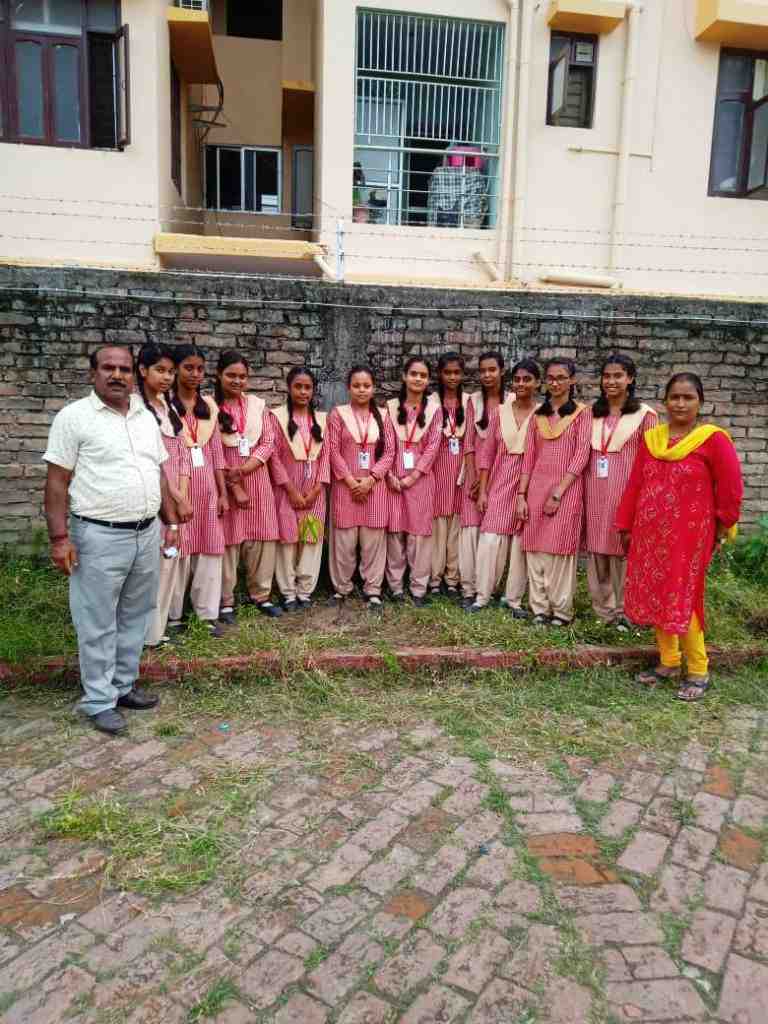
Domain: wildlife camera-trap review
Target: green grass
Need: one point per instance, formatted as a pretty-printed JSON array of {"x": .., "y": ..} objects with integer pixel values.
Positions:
[{"x": 222, "y": 992}]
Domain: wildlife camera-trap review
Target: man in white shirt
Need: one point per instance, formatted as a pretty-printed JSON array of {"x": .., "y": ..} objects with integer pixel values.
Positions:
[{"x": 104, "y": 489}]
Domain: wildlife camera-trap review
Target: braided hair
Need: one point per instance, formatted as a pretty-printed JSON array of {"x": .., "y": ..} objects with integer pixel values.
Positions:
[
  {"x": 201, "y": 410},
  {"x": 570, "y": 406},
  {"x": 317, "y": 430},
  {"x": 600, "y": 407},
  {"x": 402, "y": 412},
  {"x": 442, "y": 362},
  {"x": 150, "y": 355},
  {"x": 378, "y": 451},
  {"x": 229, "y": 357},
  {"x": 498, "y": 358}
]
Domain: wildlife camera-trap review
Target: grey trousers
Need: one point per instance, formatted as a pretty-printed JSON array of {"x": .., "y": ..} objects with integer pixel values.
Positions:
[{"x": 112, "y": 598}]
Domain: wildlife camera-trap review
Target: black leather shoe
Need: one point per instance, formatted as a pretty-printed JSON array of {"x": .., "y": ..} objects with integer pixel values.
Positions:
[
  {"x": 137, "y": 700},
  {"x": 289, "y": 607},
  {"x": 419, "y": 602},
  {"x": 228, "y": 618},
  {"x": 272, "y": 611},
  {"x": 109, "y": 721}
]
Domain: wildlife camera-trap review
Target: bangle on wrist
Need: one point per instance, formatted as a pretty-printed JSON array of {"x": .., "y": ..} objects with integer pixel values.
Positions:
[
  {"x": 555, "y": 497},
  {"x": 174, "y": 527},
  {"x": 58, "y": 536}
]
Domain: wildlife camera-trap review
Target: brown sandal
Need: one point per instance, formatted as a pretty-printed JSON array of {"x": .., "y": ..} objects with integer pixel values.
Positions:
[
  {"x": 699, "y": 685},
  {"x": 651, "y": 678}
]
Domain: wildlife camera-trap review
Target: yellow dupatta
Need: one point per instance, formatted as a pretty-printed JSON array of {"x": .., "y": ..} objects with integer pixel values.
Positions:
[{"x": 657, "y": 442}]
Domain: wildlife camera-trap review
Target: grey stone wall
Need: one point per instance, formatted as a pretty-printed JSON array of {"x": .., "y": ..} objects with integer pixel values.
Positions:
[{"x": 50, "y": 319}]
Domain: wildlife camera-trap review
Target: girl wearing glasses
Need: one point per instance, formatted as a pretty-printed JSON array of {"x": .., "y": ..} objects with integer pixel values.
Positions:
[{"x": 550, "y": 495}]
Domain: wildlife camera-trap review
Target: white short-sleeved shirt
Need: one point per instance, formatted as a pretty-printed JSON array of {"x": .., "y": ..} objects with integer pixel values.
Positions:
[{"x": 115, "y": 460}]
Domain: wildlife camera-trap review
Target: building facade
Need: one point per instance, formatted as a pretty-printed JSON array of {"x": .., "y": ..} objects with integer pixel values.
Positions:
[{"x": 572, "y": 143}]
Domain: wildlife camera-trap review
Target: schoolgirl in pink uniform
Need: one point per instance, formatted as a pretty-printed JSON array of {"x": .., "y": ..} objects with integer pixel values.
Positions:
[
  {"x": 447, "y": 470},
  {"x": 248, "y": 432},
  {"x": 361, "y": 448},
  {"x": 500, "y": 463},
  {"x": 155, "y": 374},
  {"x": 300, "y": 470},
  {"x": 619, "y": 422},
  {"x": 202, "y": 539},
  {"x": 417, "y": 424},
  {"x": 550, "y": 495}
]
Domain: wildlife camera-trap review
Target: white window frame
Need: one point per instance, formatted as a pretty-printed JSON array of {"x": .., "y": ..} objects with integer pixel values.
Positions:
[{"x": 218, "y": 208}]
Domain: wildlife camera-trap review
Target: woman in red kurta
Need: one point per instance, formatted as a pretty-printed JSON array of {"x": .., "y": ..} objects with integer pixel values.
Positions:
[
  {"x": 619, "y": 422},
  {"x": 550, "y": 495},
  {"x": 248, "y": 432},
  {"x": 300, "y": 470},
  {"x": 361, "y": 447},
  {"x": 417, "y": 423},
  {"x": 683, "y": 497}
]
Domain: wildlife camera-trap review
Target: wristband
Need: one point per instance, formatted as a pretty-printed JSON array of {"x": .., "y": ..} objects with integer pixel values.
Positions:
[
  {"x": 174, "y": 527},
  {"x": 58, "y": 537},
  {"x": 555, "y": 497}
]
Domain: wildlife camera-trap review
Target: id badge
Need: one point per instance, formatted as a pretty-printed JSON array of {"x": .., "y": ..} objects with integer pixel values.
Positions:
[
  {"x": 364, "y": 460},
  {"x": 307, "y": 470},
  {"x": 196, "y": 455},
  {"x": 602, "y": 467},
  {"x": 409, "y": 460},
  {"x": 244, "y": 447},
  {"x": 454, "y": 446}
]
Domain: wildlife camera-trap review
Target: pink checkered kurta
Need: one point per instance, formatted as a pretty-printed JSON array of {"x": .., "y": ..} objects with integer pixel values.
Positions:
[
  {"x": 446, "y": 469},
  {"x": 547, "y": 462},
  {"x": 473, "y": 444},
  {"x": 204, "y": 535},
  {"x": 343, "y": 452},
  {"x": 177, "y": 463},
  {"x": 503, "y": 480},
  {"x": 259, "y": 520},
  {"x": 286, "y": 468},
  {"x": 602, "y": 497},
  {"x": 412, "y": 511}
]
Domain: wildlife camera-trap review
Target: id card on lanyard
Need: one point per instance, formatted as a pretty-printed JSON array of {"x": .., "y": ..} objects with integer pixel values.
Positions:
[
  {"x": 196, "y": 452},
  {"x": 244, "y": 447},
  {"x": 363, "y": 456},
  {"x": 307, "y": 451},
  {"x": 603, "y": 462},
  {"x": 454, "y": 444},
  {"x": 409, "y": 457}
]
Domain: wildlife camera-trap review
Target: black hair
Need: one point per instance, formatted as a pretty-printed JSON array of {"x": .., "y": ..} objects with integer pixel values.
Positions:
[
  {"x": 317, "y": 430},
  {"x": 529, "y": 365},
  {"x": 378, "y": 451},
  {"x": 402, "y": 414},
  {"x": 601, "y": 408},
  {"x": 94, "y": 356},
  {"x": 570, "y": 406},
  {"x": 498, "y": 358},
  {"x": 201, "y": 409},
  {"x": 691, "y": 378},
  {"x": 229, "y": 357},
  {"x": 442, "y": 362},
  {"x": 150, "y": 355}
]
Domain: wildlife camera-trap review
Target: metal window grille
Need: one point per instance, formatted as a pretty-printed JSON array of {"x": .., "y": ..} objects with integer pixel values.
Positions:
[
  {"x": 428, "y": 119},
  {"x": 192, "y": 5}
]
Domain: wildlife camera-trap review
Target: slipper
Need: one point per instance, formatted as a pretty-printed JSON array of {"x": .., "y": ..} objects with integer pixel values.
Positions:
[
  {"x": 700, "y": 686},
  {"x": 653, "y": 677}
]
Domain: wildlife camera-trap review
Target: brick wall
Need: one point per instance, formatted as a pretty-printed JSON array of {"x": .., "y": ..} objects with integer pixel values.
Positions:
[{"x": 50, "y": 319}]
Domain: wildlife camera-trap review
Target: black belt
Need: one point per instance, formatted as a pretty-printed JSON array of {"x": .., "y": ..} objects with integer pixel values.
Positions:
[{"x": 139, "y": 525}]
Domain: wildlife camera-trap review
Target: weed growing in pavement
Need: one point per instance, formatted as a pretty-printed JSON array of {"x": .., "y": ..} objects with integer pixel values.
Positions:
[
  {"x": 315, "y": 958},
  {"x": 673, "y": 928},
  {"x": 684, "y": 811},
  {"x": 221, "y": 993}
]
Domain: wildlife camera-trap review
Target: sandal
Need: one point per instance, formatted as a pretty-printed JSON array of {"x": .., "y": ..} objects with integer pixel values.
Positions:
[
  {"x": 652, "y": 677},
  {"x": 699, "y": 685}
]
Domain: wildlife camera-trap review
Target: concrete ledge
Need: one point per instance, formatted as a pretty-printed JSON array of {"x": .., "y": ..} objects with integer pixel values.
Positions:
[{"x": 274, "y": 663}]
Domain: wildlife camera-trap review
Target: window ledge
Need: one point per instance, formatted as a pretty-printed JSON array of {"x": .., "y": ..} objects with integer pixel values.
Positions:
[
  {"x": 592, "y": 17},
  {"x": 733, "y": 23},
  {"x": 192, "y": 46},
  {"x": 170, "y": 244}
]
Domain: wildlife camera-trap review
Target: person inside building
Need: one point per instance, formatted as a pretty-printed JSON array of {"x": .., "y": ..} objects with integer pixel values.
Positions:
[
  {"x": 417, "y": 423},
  {"x": 550, "y": 495},
  {"x": 202, "y": 540},
  {"x": 447, "y": 470},
  {"x": 361, "y": 447},
  {"x": 155, "y": 374},
  {"x": 300, "y": 470},
  {"x": 500, "y": 462},
  {"x": 619, "y": 422},
  {"x": 683, "y": 498},
  {"x": 103, "y": 491},
  {"x": 251, "y": 532}
]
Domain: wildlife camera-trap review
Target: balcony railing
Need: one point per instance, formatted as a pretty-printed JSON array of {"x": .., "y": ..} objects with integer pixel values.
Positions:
[{"x": 192, "y": 5}]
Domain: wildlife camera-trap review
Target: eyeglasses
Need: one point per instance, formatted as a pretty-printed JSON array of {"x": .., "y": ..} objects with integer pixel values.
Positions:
[{"x": 557, "y": 380}]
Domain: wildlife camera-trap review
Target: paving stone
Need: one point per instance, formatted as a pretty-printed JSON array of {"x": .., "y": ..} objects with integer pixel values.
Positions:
[
  {"x": 455, "y": 771},
  {"x": 624, "y": 929},
  {"x": 426, "y": 830},
  {"x": 416, "y": 798},
  {"x": 51, "y": 999},
  {"x": 337, "y": 916},
  {"x": 480, "y": 828},
  {"x": 640, "y": 787},
  {"x": 744, "y": 996},
  {"x": 726, "y": 888},
  {"x": 532, "y": 963},
  {"x": 193, "y": 986},
  {"x": 143, "y": 752},
  {"x": 412, "y": 965},
  {"x": 408, "y": 903},
  {"x": 543, "y": 802},
  {"x": 751, "y": 935},
  {"x": 441, "y": 869},
  {"x": 759, "y": 890},
  {"x": 678, "y": 887},
  {"x": 340, "y": 973},
  {"x": 645, "y": 853},
  {"x": 158, "y": 1009},
  {"x": 438, "y": 1005},
  {"x": 380, "y": 831},
  {"x": 750, "y": 812},
  {"x": 466, "y": 798},
  {"x": 269, "y": 976},
  {"x": 566, "y": 1002},
  {"x": 575, "y": 871},
  {"x": 756, "y": 780},
  {"x": 494, "y": 867},
  {"x": 622, "y": 815},
  {"x": 603, "y": 900},
  {"x": 549, "y": 822},
  {"x": 383, "y": 875},
  {"x": 616, "y": 968},
  {"x": 711, "y": 811},
  {"x": 38, "y": 961},
  {"x": 739, "y": 849},
  {"x": 596, "y": 787},
  {"x": 707, "y": 940},
  {"x": 501, "y": 1003},
  {"x": 299, "y": 1009},
  {"x": 694, "y": 757},
  {"x": 473, "y": 966},
  {"x": 364, "y": 1008},
  {"x": 563, "y": 845},
  {"x": 297, "y": 944},
  {"x": 719, "y": 782},
  {"x": 457, "y": 911},
  {"x": 655, "y": 1000},
  {"x": 346, "y": 862},
  {"x": 662, "y": 815},
  {"x": 523, "y": 897},
  {"x": 693, "y": 848}
]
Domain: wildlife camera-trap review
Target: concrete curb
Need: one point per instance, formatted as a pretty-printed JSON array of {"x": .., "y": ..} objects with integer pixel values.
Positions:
[{"x": 274, "y": 663}]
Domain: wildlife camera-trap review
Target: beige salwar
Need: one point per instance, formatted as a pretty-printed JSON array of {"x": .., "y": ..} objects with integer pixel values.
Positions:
[
  {"x": 205, "y": 572},
  {"x": 551, "y": 584},
  {"x": 406, "y": 550},
  {"x": 259, "y": 557},
  {"x": 169, "y": 570},
  {"x": 343, "y": 559},
  {"x": 468, "y": 541},
  {"x": 297, "y": 569},
  {"x": 445, "y": 551},
  {"x": 497, "y": 552},
  {"x": 606, "y": 575}
]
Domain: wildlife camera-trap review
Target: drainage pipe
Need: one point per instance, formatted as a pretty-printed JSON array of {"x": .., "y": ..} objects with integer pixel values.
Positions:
[
  {"x": 619, "y": 213},
  {"x": 527, "y": 13},
  {"x": 505, "y": 184}
]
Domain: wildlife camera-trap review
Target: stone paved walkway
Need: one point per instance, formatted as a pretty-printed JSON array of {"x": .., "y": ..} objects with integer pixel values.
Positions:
[{"x": 381, "y": 876}]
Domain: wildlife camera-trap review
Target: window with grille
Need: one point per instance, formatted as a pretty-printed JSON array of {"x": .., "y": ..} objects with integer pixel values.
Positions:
[
  {"x": 242, "y": 179},
  {"x": 64, "y": 73},
  {"x": 739, "y": 165},
  {"x": 427, "y": 120},
  {"x": 571, "y": 92}
]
